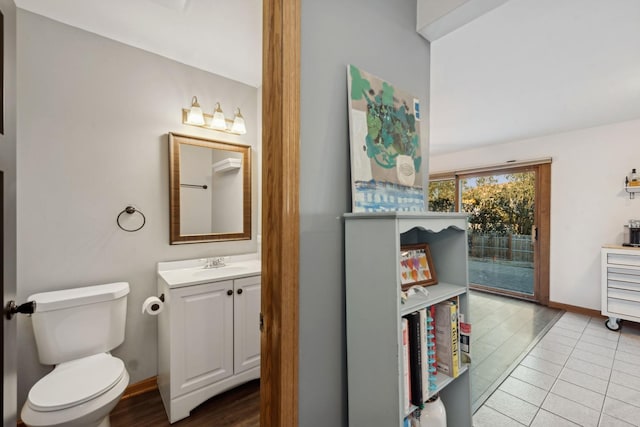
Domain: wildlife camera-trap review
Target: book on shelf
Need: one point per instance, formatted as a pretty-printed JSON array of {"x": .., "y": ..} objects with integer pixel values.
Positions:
[
  {"x": 432, "y": 364},
  {"x": 465, "y": 339},
  {"x": 424, "y": 356},
  {"x": 405, "y": 354},
  {"x": 415, "y": 358},
  {"x": 447, "y": 338}
]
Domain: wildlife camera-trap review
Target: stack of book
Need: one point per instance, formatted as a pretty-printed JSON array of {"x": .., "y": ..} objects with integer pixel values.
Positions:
[{"x": 431, "y": 344}]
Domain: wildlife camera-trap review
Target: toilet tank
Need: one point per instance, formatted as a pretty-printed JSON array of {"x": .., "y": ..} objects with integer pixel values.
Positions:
[{"x": 74, "y": 323}]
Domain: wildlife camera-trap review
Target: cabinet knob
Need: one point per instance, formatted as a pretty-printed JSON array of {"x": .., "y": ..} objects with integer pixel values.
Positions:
[
  {"x": 229, "y": 292},
  {"x": 239, "y": 291}
]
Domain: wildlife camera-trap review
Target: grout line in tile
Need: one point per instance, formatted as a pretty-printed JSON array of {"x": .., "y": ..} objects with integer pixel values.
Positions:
[
  {"x": 564, "y": 365},
  {"x": 494, "y": 386},
  {"x": 601, "y": 409}
]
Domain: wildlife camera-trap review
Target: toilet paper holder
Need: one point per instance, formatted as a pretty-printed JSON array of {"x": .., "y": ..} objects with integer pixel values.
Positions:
[
  {"x": 161, "y": 298},
  {"x": 153, "y": 305}
]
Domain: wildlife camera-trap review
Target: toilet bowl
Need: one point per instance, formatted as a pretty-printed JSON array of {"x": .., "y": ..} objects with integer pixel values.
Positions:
[
  {"x": 80, "y": 393},
  {"x": 74, "y": 330}
]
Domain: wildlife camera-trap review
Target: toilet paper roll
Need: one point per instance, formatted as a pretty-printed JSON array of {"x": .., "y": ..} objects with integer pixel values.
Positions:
[{"x": 152, "y": 306}]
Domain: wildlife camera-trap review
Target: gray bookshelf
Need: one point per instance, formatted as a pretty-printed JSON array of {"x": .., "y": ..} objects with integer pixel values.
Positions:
[{"x": 374, "y": 310}]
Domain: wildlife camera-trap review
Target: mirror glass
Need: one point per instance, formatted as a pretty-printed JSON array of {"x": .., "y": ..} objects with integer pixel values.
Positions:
[{"x": 210, "y": 194}]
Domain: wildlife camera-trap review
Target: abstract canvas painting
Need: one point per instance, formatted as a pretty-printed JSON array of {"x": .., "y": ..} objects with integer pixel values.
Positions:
[{"x": 386, "y": 157}]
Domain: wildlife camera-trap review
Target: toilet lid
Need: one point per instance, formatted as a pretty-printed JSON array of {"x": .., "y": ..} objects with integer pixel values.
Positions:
[{"x": 75, "y": 382}]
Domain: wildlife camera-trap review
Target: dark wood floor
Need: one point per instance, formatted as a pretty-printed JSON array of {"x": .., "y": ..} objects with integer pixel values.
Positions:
[{"x": 237, "y": 407}]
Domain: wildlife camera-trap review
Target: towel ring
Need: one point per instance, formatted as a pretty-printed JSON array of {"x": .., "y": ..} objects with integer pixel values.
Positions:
[{"x": 131, "y": 210}]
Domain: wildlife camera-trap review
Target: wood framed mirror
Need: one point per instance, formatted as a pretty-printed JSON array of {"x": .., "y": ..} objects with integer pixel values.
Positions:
[{"x": 209, "y": 190}]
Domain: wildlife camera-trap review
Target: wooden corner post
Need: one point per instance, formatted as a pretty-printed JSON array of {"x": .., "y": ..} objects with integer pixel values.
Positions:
[{"x": 280, "y": 212}]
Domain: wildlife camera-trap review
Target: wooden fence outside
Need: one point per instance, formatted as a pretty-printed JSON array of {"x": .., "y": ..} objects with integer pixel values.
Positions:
[{"x": 509, "y": 247}]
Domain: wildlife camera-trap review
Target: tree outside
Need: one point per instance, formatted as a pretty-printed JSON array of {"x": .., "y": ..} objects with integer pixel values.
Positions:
[
  {"x": 502, "y": 204},
  {"x": 442, "y": 195}
]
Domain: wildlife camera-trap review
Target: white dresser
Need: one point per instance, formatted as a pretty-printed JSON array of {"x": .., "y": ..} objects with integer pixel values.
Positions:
[{"x": 620, "y": 284}]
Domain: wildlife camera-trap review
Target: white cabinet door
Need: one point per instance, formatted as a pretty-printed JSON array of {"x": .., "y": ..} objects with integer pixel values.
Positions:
[
  {"x": 247, "y": 323},
  {"x": 202, "y": 331}
]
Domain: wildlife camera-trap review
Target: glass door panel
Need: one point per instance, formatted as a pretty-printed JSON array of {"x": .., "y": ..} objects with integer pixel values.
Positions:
[{"x": 501, "y": 210}]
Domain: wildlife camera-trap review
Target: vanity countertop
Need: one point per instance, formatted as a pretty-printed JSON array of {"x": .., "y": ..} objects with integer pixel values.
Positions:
[{"x": 192, "y": 272}]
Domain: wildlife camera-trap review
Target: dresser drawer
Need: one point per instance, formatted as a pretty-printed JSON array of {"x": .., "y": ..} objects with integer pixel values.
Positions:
[
  {"x": 623, "y": 307},
  {"x": 622, "y": 259},
  {"x": 624, "y": 294},
  {"x": 619, "y": 284},
  {"x": 628, "y": 275}
]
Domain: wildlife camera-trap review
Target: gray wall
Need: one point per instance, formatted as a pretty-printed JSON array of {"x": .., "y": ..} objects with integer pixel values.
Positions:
[
  {"x": 379, "y": 37},
  {"x": 93, "y": 121}
]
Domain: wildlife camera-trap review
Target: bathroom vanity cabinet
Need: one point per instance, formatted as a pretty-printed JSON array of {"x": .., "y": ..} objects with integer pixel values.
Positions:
[{"x": 208, "y": 332}]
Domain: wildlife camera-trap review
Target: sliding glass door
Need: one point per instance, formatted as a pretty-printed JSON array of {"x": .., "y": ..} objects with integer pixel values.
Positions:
[{"x": 506, "y": 208}]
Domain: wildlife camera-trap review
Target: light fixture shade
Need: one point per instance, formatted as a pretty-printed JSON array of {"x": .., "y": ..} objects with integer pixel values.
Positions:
[
  {"x": 238, "y": 124},
  {"x": 195, "y": 116},
  {"x": 218, "y": 121}
]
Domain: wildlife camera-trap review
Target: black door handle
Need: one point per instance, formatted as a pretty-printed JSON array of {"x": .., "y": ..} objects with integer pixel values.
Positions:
[{"x": 239, "y": 291}]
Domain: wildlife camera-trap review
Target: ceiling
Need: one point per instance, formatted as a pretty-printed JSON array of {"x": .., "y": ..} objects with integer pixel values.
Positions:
[
  {"x": 222, "y": 37},
  {"x": 530, "y": 68},
  {"x": 526, "y": 68}
]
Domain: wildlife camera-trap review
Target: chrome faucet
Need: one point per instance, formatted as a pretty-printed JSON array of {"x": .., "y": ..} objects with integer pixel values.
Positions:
[{"x": 214, "y": 262}]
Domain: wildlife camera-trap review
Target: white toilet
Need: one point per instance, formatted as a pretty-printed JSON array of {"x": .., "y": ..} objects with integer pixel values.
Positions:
[{"x": 75, "y": 329}]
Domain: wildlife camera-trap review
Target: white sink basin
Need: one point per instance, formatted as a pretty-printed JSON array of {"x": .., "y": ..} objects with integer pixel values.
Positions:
[
  {"x": 221, "y": 271},
  {"x": 186, "y": 273}
]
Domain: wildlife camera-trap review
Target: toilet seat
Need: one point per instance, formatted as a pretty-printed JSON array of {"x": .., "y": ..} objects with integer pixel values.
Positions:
[{"x": 75, "y": 382}]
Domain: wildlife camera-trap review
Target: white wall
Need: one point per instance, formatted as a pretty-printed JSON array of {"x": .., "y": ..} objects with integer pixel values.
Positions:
[
  {"x": 588, "y": 204},
  {"x": 92, "y": 129}
]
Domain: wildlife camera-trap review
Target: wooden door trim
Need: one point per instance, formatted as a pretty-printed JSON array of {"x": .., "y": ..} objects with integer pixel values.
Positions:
[
  {"x": 280, "y": 212},
  {"x": 543, "y": 222}
]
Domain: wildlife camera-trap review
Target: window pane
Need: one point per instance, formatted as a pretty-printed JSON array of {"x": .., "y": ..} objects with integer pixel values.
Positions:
[{"x": 442, "y": 195}]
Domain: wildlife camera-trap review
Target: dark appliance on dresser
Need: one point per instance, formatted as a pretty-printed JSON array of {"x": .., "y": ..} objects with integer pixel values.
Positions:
[{"x": 632, "y": 233}]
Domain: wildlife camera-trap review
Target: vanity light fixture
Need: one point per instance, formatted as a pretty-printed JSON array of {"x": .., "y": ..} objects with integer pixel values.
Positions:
[
  {"x": 238, "y": 124},
  {"x": 218, "y": 122},
  {"x": 195, "y": 117}
]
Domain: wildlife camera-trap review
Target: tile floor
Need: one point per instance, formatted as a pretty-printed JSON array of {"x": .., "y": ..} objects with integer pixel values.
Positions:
[
  {"x": 504, "y": 330},
  {"x": 578, "y": 374}
]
